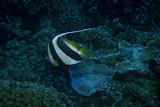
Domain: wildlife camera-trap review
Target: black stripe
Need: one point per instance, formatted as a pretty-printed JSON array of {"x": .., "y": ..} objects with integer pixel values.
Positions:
[
  {"x": 54, "y": 54},
  {"x": 69, "y": 52}
]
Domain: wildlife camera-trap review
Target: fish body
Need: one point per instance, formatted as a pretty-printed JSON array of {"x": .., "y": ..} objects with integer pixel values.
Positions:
[{"x": 66, "y": 52}]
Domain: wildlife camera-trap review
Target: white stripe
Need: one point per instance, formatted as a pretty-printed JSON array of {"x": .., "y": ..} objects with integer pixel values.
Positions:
[
  {"x": 50, "y": 56},
  {"x": 71, "y": 47},
  {"x": 64, "y": 58}
]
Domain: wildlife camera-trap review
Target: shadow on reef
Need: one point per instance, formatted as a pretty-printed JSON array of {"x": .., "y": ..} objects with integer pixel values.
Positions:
[
  {"x": 4, "y": 38},
  {"x": 155, "y": 68},
  {"x": 129, "y": 76},
  {"x": 60, "y": 76}
]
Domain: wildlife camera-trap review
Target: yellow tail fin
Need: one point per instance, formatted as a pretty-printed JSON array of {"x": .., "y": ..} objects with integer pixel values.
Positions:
[{"x": 84, "y": 51}]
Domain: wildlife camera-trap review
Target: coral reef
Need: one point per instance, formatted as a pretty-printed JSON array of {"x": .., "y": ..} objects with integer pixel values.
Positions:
[
  {"x": 25, "y": 61},
  {"x": 121, "y": 53},
  {"x": 71, "y": 19},
  {"x": 30, "y": 94}
]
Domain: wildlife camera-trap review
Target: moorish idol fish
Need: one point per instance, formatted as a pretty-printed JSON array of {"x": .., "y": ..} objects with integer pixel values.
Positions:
[{"x": 66, "y": 52}]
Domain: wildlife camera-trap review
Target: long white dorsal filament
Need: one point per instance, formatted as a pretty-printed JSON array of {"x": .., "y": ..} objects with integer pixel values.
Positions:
[{"x": 62, "y": 34}]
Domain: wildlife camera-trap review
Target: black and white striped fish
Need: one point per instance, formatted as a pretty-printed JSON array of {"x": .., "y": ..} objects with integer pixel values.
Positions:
[{"x": 66, "y": 52}]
